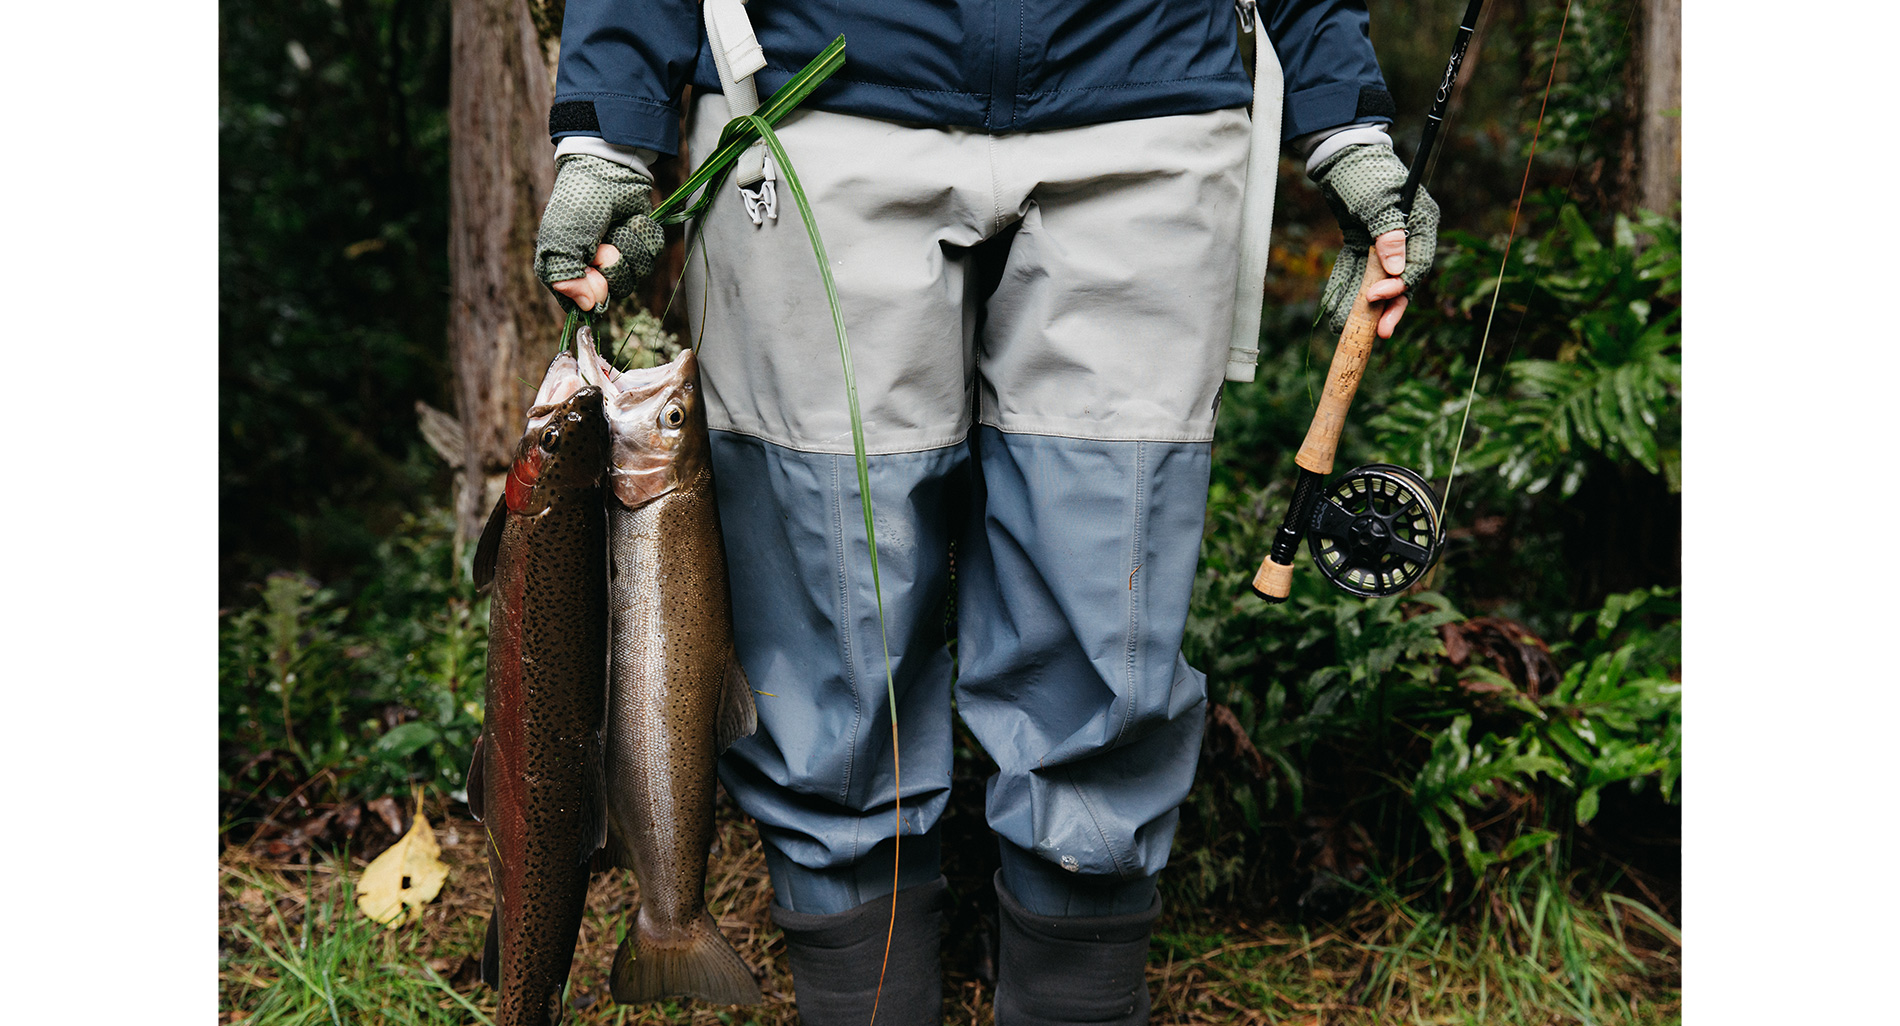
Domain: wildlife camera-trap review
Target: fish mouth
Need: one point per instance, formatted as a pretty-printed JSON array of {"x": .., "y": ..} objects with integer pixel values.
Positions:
[
  {"x": 638, "y": 385},
  {"x": 542, "y": 415},
  {"x": 562, "y": 380},
  {"x": 631, "y": 387}
]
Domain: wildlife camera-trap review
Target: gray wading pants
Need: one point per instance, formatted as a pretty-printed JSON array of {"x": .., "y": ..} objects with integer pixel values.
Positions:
[{"x": 1039, "y": 327}]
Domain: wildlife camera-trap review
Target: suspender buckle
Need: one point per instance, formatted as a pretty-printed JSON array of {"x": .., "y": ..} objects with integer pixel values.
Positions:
[{"x": 761, "y": 197}]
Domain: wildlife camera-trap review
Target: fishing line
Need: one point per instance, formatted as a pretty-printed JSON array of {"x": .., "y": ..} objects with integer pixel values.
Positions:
[
  {"x": 1517, "y": 327},
  {"x": 692, "y": 244},
  {"x": 1444, "y": 504}
]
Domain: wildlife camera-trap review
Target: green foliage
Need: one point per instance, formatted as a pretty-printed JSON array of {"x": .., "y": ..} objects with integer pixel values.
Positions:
[
  {"x": 332, "y": 216},
  {"x": 1589, "y": 99},
  {"x": 1458, "y": 774},
  {"x": 368, "y": 697},
  {"x": 1327, "y": 679},
  {"x": 328, "y": 964},
  {"x": 1607, "y": 316}
]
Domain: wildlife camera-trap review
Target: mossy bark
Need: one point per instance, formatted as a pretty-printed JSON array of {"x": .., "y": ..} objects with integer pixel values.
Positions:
[{"x": 502, "y": 321}]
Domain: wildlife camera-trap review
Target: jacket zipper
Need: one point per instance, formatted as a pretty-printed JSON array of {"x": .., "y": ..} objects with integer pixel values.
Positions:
[{"x": 1006, "y": 71}]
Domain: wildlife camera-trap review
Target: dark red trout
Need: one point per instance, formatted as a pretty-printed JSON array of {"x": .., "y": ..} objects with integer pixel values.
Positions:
[
  {"x": 678, "y": 697},
  {"x": 537, "y": 779}
]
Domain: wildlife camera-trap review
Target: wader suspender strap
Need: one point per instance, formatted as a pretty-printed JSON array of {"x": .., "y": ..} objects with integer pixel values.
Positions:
[
  {"x": 737, "y": 55},
  {"x": 1256, "y": 207}
]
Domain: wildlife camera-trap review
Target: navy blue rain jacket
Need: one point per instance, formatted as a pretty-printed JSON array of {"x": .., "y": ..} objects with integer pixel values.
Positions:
[{"x": 996, "y": 65}]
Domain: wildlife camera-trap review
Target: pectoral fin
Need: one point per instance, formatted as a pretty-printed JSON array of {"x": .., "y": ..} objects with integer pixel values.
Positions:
[
  {"x": 619, "y": 851},
  {"x": 491, "y": 949},
  {"x": 738, "y": 717},
  {"x": 599, "y": 829}
]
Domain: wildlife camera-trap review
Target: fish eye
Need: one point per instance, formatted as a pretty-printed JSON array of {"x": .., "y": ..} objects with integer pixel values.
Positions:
[
  {"x": 550, "y": 439},
  {"x": 673, "y": 416}
]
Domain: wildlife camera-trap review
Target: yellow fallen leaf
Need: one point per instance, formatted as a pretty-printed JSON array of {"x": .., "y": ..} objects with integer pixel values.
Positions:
[{"x": 397, "y": 883}]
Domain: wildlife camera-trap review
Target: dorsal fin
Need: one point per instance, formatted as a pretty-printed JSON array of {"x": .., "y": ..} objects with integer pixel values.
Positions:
[{"x": 489, "y": 547}]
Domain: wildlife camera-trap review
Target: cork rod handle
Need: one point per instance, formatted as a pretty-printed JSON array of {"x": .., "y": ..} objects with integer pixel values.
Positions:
[{"x": 1342, "y": 378}]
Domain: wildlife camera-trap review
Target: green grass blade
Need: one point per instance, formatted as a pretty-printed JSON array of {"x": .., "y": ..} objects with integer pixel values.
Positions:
[
  {"x": 453, "y": 993},
  {"x": 850, "y": 384},
  {"x": 797, "y": 190}
]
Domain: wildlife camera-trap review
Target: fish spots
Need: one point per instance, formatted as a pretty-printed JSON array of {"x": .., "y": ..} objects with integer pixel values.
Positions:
[{"x": 547, "y": 700}]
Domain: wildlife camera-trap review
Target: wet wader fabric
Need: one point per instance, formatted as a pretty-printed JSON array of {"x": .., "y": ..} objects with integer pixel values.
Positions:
[{"x": 1057, "y": 427}]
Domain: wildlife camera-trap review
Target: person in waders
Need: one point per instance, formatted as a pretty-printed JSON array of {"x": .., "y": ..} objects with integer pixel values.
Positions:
[{"x": 1033, "y": 213}]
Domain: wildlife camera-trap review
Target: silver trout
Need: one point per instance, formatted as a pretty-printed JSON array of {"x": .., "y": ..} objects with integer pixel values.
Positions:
[
  {"x": 677, "y": 696},
  {"x": 537, "y": 780}
]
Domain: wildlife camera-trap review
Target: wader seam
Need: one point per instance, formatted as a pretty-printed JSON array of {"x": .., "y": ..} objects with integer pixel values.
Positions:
[
  {"x": 1129, "y": 670},
  {"x": 1196, "y": 439},
  {"x": 1095, "y": 821},
  {"x": 996, "y": 189},
  {"x": 845, "y": 643},
  {"x": 869, "y": 451}
]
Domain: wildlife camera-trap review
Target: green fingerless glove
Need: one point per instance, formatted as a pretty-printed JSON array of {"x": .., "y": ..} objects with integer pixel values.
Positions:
[
  {"x": 1361, "y": 183},
  {"x": 595, "y": 201}
]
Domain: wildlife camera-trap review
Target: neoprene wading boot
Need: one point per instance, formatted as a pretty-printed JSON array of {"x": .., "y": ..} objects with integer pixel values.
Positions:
[
  {"x": 1072, "y": 970},
  {"x": 836, "y": 960}
]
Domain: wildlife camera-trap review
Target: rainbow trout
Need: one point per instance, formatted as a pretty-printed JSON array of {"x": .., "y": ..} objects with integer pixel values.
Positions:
[
  {"x": 536, "y": 783},
  {"x": 678, "y": 697}
]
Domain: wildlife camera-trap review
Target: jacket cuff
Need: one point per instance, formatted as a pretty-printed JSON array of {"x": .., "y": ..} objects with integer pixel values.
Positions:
[
  {"x": 621, "y": 120},
  {"x": 1336, "y": 103}
]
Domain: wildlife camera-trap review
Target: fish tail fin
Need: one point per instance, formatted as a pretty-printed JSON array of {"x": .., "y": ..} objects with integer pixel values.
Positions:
[{"x": 700, "y": 963}]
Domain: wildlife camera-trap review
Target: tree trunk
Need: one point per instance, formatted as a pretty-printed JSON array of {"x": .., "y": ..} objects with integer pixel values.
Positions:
[
  {"x": 1661, "y": 130},
  {"x": 502, "y": 321}
]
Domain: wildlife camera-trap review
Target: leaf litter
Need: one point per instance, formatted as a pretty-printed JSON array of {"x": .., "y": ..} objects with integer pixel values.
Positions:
[{"x": 1209, "y": 964}]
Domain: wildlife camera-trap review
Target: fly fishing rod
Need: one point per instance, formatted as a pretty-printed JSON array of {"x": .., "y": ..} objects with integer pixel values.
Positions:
[{"x": 1377, "y": 530}]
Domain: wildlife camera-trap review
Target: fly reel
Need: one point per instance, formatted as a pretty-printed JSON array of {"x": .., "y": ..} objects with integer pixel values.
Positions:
[{"x": 1375, "y": 531}]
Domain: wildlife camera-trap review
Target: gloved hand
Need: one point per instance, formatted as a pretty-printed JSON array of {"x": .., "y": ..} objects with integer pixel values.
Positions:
[
  {"x": 1361, "y": 183},
  {"x": 595, "y": 233}
]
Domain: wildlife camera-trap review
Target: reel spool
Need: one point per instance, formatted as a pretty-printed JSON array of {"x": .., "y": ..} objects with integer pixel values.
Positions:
[{"x": 1375, "y": 531}]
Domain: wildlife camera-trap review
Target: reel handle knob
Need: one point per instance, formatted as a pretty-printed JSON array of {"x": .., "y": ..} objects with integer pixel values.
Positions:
[{"x": 1274, "y": 582}]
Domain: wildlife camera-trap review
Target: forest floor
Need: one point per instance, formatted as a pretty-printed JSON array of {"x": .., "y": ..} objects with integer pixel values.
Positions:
[{"x": 294, "y": 949}]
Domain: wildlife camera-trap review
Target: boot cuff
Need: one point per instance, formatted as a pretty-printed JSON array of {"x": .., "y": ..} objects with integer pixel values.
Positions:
[
  {"x": 1117, "y": 929},
  {"x": 854, "y": 927}
]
